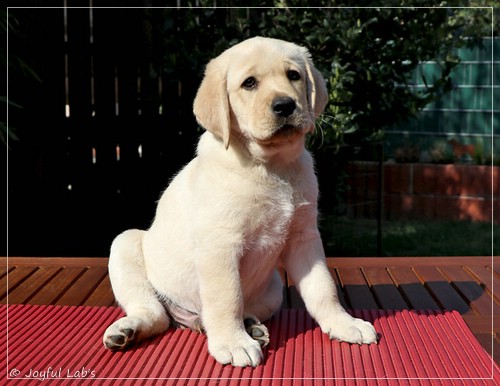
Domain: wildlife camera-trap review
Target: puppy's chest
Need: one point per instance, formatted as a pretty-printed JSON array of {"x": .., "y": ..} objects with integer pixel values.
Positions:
[{"x": 270, "y": 216}]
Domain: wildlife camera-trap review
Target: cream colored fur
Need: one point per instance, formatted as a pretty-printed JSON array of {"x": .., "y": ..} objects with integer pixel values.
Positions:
[{"x": 246, "y": 202}]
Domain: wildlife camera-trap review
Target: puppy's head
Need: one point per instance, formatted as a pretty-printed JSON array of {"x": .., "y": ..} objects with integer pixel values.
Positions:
[{"x": 263, "y": 92}]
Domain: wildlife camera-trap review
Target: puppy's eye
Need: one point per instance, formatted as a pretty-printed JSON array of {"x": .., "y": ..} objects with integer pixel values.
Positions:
[
  {"x": 249, "y": 83},
  {"x": 293, "y": 75}
]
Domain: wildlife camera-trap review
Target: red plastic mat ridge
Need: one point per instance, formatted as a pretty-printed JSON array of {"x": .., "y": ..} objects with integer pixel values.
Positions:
[{"x": 63, "y": 345}]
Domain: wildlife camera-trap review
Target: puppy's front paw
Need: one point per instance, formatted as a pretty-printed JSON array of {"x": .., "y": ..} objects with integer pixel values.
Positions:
[
  {"x": 257, "y": 330},
  {"x": 121, "y": 334},
  {"x": 352, "y": 330},
  {"x": 242, "y": 351}
]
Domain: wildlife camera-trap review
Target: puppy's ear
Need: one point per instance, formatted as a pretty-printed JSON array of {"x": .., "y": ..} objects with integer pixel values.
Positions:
[
  {"x": 211, "y": 104},
  {"x": 317, "y": 94}
]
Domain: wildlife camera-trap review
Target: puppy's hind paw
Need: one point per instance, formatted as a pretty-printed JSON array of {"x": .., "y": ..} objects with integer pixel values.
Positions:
[
  {"x": 257, "y": 330},
  {"x": 119, "y": 335}
]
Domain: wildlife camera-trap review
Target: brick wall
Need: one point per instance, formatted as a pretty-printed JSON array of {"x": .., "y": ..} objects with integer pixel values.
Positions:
[{"x": 427, "y": 191}]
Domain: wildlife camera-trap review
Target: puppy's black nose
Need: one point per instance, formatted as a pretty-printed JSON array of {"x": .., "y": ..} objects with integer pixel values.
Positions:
[{"x": 283, "y": 106}]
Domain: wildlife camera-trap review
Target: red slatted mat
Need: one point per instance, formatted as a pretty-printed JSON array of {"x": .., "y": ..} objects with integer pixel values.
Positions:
[{"x": 415, "y": 348}]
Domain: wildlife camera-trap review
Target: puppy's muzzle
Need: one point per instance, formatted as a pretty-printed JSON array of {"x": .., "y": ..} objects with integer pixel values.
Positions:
[{"x": 288, "y": 124}]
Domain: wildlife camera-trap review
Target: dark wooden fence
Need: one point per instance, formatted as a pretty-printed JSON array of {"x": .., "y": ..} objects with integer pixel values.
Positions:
[
  {"x": 99, "y": 136},
  {"x": 104, "y": 130}
]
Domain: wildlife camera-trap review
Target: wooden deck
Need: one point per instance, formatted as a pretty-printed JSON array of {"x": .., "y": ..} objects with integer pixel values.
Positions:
[{"x": 470, "y": 285}]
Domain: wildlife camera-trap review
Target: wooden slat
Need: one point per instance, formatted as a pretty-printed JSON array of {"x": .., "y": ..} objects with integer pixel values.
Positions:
[
  {"x": 356, "y": 289},
  {"x": 386, "y": 292},
  {"x": 15, "y": 278},
  {"x": 490, "y": 343},
  {"x": 486, "y": 341},
  {"x": 412, "y": 261},
  {"x": 83, "y": 287},
  {"x": 29, "y": 288},
  {"x": 441, "y": 289},
  {"x": 102, "y": 295},
  {"x": 3, "y": 271},
  {"x": 486, "y": 278},
  {"x": 495, "y": 267},
  {"x": 418, "y": 297},
  {"x": 483, "y": 323},
  {"x": 52, "y": 290},
  {"x": 476, "y": 297}
]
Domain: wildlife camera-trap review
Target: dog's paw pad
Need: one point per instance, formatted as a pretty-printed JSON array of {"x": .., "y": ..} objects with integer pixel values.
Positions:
[
  {"x": 116, "y": 338},
  {"x": 257, "y": 331},
  {"x": 129, "y": 332},
  {"x": 114, "y": 342}
]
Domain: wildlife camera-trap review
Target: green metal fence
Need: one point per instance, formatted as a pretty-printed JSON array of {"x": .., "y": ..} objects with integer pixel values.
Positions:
[{"x": 470, "y": 113}]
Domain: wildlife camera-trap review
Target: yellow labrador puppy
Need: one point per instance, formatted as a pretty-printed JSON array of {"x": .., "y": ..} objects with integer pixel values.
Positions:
[{"x": 246, "y": 202}]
